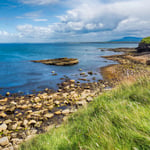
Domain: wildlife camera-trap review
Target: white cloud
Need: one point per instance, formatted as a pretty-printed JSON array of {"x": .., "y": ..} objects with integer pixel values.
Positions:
[
  {"x": 4, "y": 33},
  {"x": 6, "y": 36},
  {"x": 37, "y": 32},
  {"x": 92, "y": 21},
  {"x": 39, "y": 2},
  {"x": 104, "y": 16},
  {"x": 40, "y": 20},
  {"x": 33, "y": 14}
]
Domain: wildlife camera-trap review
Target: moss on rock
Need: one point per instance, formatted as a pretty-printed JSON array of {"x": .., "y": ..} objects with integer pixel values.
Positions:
[
  {"x": 144, "y": 45},
  {"x": 146, "y": 40}
]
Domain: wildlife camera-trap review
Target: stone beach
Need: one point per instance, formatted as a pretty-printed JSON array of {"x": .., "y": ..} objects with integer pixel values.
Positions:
[{"x": 22, "y": 117}]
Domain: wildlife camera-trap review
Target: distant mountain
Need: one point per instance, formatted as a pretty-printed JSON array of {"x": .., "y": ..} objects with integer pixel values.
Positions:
[{"x": 128, "y": 39}]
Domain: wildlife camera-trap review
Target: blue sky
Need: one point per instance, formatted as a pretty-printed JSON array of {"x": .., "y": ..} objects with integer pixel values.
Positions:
[{"x": 72, "y": 20}]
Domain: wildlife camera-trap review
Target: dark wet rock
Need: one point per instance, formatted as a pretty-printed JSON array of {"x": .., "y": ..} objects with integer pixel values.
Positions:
[
  {"x": 90, "y": 73},
  {"x": 55, "y": 74},
  {"x": 93, "y": 78},
  {"x": 143, "y": 47},
  {"x": 59, "y": 61},
  {"x": 83, "y": 79},
  {"x": 82, "y": 73},
  {"x": 148, "y": 62}
]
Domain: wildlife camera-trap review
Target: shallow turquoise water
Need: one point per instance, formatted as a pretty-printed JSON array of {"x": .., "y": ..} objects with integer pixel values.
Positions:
[{"x": 18, "y": 74}]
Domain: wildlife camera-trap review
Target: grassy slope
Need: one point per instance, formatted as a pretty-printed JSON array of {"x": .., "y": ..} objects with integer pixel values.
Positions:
[
  {"x": 146, "y": 40},
  {"x": 116, "y": 120}
]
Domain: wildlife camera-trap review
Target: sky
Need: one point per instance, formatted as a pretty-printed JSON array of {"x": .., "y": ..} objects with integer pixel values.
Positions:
[{"x": 42, "y": 21}]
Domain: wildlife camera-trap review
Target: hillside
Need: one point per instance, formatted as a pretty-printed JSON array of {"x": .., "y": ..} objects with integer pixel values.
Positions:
[{"x": 128, "y": 39}]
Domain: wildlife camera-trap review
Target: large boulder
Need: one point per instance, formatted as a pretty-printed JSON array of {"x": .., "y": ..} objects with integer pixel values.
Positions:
[
  {"x": 144, "y": 45},
  {"x": 59, "y": 61}
]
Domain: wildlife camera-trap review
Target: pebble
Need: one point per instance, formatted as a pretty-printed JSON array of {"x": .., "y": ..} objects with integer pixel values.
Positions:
[
  {"x": 3, "y": 127},
  {"x": 8, "y": 121},
  {"x": 72, "y": 81},
  {"x": 3, "y": 115},
  {"x": 4, "y": 141},
  {"x": 56, "y": 102},
  {"x": 57, "y": 112},
  {"x": 25, "y": 123},
  {"x": 66, "y": 111},
  {"x": 83, "y": 73},
  {"x": 32, "y": 122},
  {"x": 49, "y": 115},
  {"x": 90, "y": 73},
  {"x": 26, "y": 113},
  {"x": 8, "y": 94},
  {"x": 89, "y": 99}
]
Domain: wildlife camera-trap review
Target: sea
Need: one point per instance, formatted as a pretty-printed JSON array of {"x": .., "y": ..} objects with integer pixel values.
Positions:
[{"x": 19, "y": 74}]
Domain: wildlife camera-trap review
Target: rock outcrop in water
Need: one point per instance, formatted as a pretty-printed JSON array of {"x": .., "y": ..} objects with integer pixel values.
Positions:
[
  {"x": 144, "y": 45},
  {"x": 59, "y": 61}
]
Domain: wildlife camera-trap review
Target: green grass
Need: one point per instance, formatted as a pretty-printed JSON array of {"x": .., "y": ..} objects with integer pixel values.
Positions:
[
  {"x": 116, "y": 120},
  {"x": 146, "y": 40}
]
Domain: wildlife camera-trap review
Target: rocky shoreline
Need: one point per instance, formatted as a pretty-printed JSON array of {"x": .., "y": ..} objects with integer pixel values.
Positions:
[
  {"x": 22, "y": 117},
  {"x": 131, "y": 65}
]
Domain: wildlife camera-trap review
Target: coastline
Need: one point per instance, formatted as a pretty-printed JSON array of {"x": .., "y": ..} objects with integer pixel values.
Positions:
[
  {"x": 25, "y": 116},
  {"x": 130, "y": 65}
]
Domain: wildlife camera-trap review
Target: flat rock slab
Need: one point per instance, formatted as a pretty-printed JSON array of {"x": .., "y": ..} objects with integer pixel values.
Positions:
[{"x": 59, "y": 61}]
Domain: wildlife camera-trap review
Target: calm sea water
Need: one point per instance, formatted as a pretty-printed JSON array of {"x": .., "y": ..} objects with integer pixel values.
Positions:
[{"x": 18, "y": 74}]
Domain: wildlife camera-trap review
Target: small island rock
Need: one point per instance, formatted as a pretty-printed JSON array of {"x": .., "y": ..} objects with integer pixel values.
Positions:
[{"x": 59, "y": 61}]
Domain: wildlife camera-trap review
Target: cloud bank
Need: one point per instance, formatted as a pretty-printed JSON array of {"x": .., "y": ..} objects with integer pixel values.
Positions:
[{"x": 94, "y": 20}]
